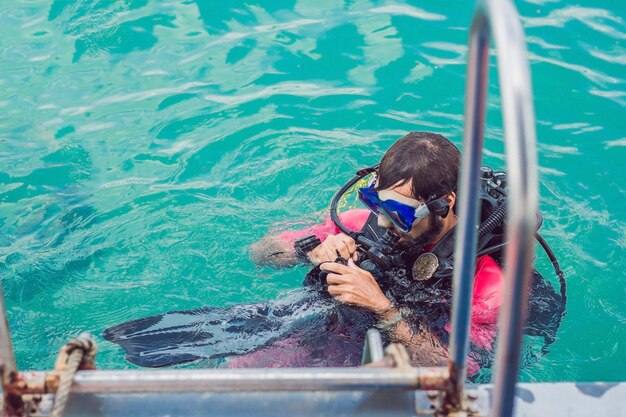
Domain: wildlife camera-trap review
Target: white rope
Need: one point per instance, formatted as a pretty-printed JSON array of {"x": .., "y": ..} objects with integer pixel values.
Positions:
[{"x": 80, "y": 351}]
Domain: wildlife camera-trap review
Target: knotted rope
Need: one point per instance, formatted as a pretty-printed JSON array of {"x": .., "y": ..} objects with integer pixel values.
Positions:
[{"x": 79, "y": 353}]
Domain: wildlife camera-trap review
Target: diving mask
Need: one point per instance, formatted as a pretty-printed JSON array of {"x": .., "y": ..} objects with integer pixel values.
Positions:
[{"x": 400, "y": 210}]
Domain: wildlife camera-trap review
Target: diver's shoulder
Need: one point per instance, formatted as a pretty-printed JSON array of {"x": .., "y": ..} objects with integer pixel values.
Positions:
[
  {"x": 488, "y": 272},
  {"x": 354, "y": 219}
]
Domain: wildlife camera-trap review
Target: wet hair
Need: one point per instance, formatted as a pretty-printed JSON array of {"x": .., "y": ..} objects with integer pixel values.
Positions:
[{"x": 428, "y": 160}]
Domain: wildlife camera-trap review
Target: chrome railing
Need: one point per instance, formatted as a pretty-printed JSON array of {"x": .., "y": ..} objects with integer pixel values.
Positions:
[
  {"x": 373, "y": 348},
  {"x": 8, "y": 368},
  {"x": 497, "y": 19}
]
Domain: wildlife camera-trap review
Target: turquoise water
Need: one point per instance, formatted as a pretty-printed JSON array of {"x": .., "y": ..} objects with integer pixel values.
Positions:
[{"x": 144, "y": 145}]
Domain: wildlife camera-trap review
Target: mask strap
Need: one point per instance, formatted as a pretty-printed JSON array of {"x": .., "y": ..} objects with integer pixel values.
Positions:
[
  {"x": 369, "y": 170},
  {"x": 439, "y": 206}
]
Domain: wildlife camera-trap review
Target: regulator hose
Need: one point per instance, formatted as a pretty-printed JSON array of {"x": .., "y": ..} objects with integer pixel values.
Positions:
[
  {"x": 335, "y": 201},
  {"x": 555, "y": 264},
  {"x": 494, "y": 220}
]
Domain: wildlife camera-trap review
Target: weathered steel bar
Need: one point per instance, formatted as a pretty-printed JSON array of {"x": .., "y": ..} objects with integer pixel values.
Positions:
[
  {"x": 373, "y": 349},
  {"x": 7, "y": 357},
  {"x": 521, "y": 156},
  {"x": 297, "y": 379},
  {"x": 469, "y": 197}
]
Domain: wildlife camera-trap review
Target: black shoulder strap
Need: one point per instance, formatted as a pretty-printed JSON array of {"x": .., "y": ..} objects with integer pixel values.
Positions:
[
  {"x": 445, "y": 247},
  {"x": 371, "y": 229}
]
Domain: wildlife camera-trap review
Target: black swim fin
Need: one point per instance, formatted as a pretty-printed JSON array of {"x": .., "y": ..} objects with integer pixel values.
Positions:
[{"x": 215, "y": 332}]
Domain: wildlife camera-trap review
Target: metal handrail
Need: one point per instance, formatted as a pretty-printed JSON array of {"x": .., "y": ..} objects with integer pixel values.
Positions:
[
  {"x": 373, "y": 348},
  {"x": 7, "y": 357},
  {"x": 497, "y": 18},
  {"x": 268, "y": 380}
]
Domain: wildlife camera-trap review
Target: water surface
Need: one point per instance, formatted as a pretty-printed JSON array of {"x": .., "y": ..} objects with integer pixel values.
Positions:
[{"x": 144, "y": 145}]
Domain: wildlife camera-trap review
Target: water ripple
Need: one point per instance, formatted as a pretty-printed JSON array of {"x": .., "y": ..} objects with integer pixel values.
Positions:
[
  {"x": 617, "y": 142},
  {"x": 596, "y": 19},
  {"x": 596, "y": 77},
  {"x": 411, "y": 11},
  {"x": 615, "y": 95},
  {"x": 293, "y": 89}
]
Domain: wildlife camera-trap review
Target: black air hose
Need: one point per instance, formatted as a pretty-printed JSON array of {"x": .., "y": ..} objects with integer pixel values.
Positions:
[
  {"x": 555, "y": 264},
  {"x": 494, "y": 220},
  {"x": 335, "y": 201}
]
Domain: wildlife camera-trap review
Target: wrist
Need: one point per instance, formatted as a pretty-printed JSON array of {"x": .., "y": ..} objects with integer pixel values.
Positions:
[
  {"x": 386, "y": 309},
  {"x": 389, "y": 320}
]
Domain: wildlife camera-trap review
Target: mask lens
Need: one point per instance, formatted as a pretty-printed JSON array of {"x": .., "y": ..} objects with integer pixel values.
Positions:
[
  {"x": 384, "y": 222},
  {"x": 400, "y": 214},
  {"x": 421, "y": 212},
  {"x": 369, "y": 197},
  {"x": 397, "y": 220}
]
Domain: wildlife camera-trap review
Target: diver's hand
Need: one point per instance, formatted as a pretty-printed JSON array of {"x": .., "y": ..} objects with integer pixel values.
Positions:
[
  {"x": 352, "y": 285},
  {"x": 332, "y": 247}
]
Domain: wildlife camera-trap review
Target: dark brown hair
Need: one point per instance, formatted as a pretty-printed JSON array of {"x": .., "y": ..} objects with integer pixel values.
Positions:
[{"x": 428, "y": 160}]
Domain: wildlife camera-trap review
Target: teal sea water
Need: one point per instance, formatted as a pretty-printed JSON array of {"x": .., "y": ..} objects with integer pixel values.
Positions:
[{"x": 144, "y": 145}]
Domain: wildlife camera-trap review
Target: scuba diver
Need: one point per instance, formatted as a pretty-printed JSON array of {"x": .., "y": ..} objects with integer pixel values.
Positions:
[
  {"x": 388, "y": 266},
  {"x": 411, "y": 200}
]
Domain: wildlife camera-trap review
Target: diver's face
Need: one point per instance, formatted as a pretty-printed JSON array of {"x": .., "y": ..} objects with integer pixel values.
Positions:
[{"x": 423, "y": 231}]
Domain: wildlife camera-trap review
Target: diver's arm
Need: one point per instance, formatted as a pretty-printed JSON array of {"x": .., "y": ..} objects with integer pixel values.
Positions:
[
  {"x": 273, "y": 251},
  {"x": 278, "y": 250},
  {"x": 354, "y": 286},
  {"x": 423, "y": 347}
]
